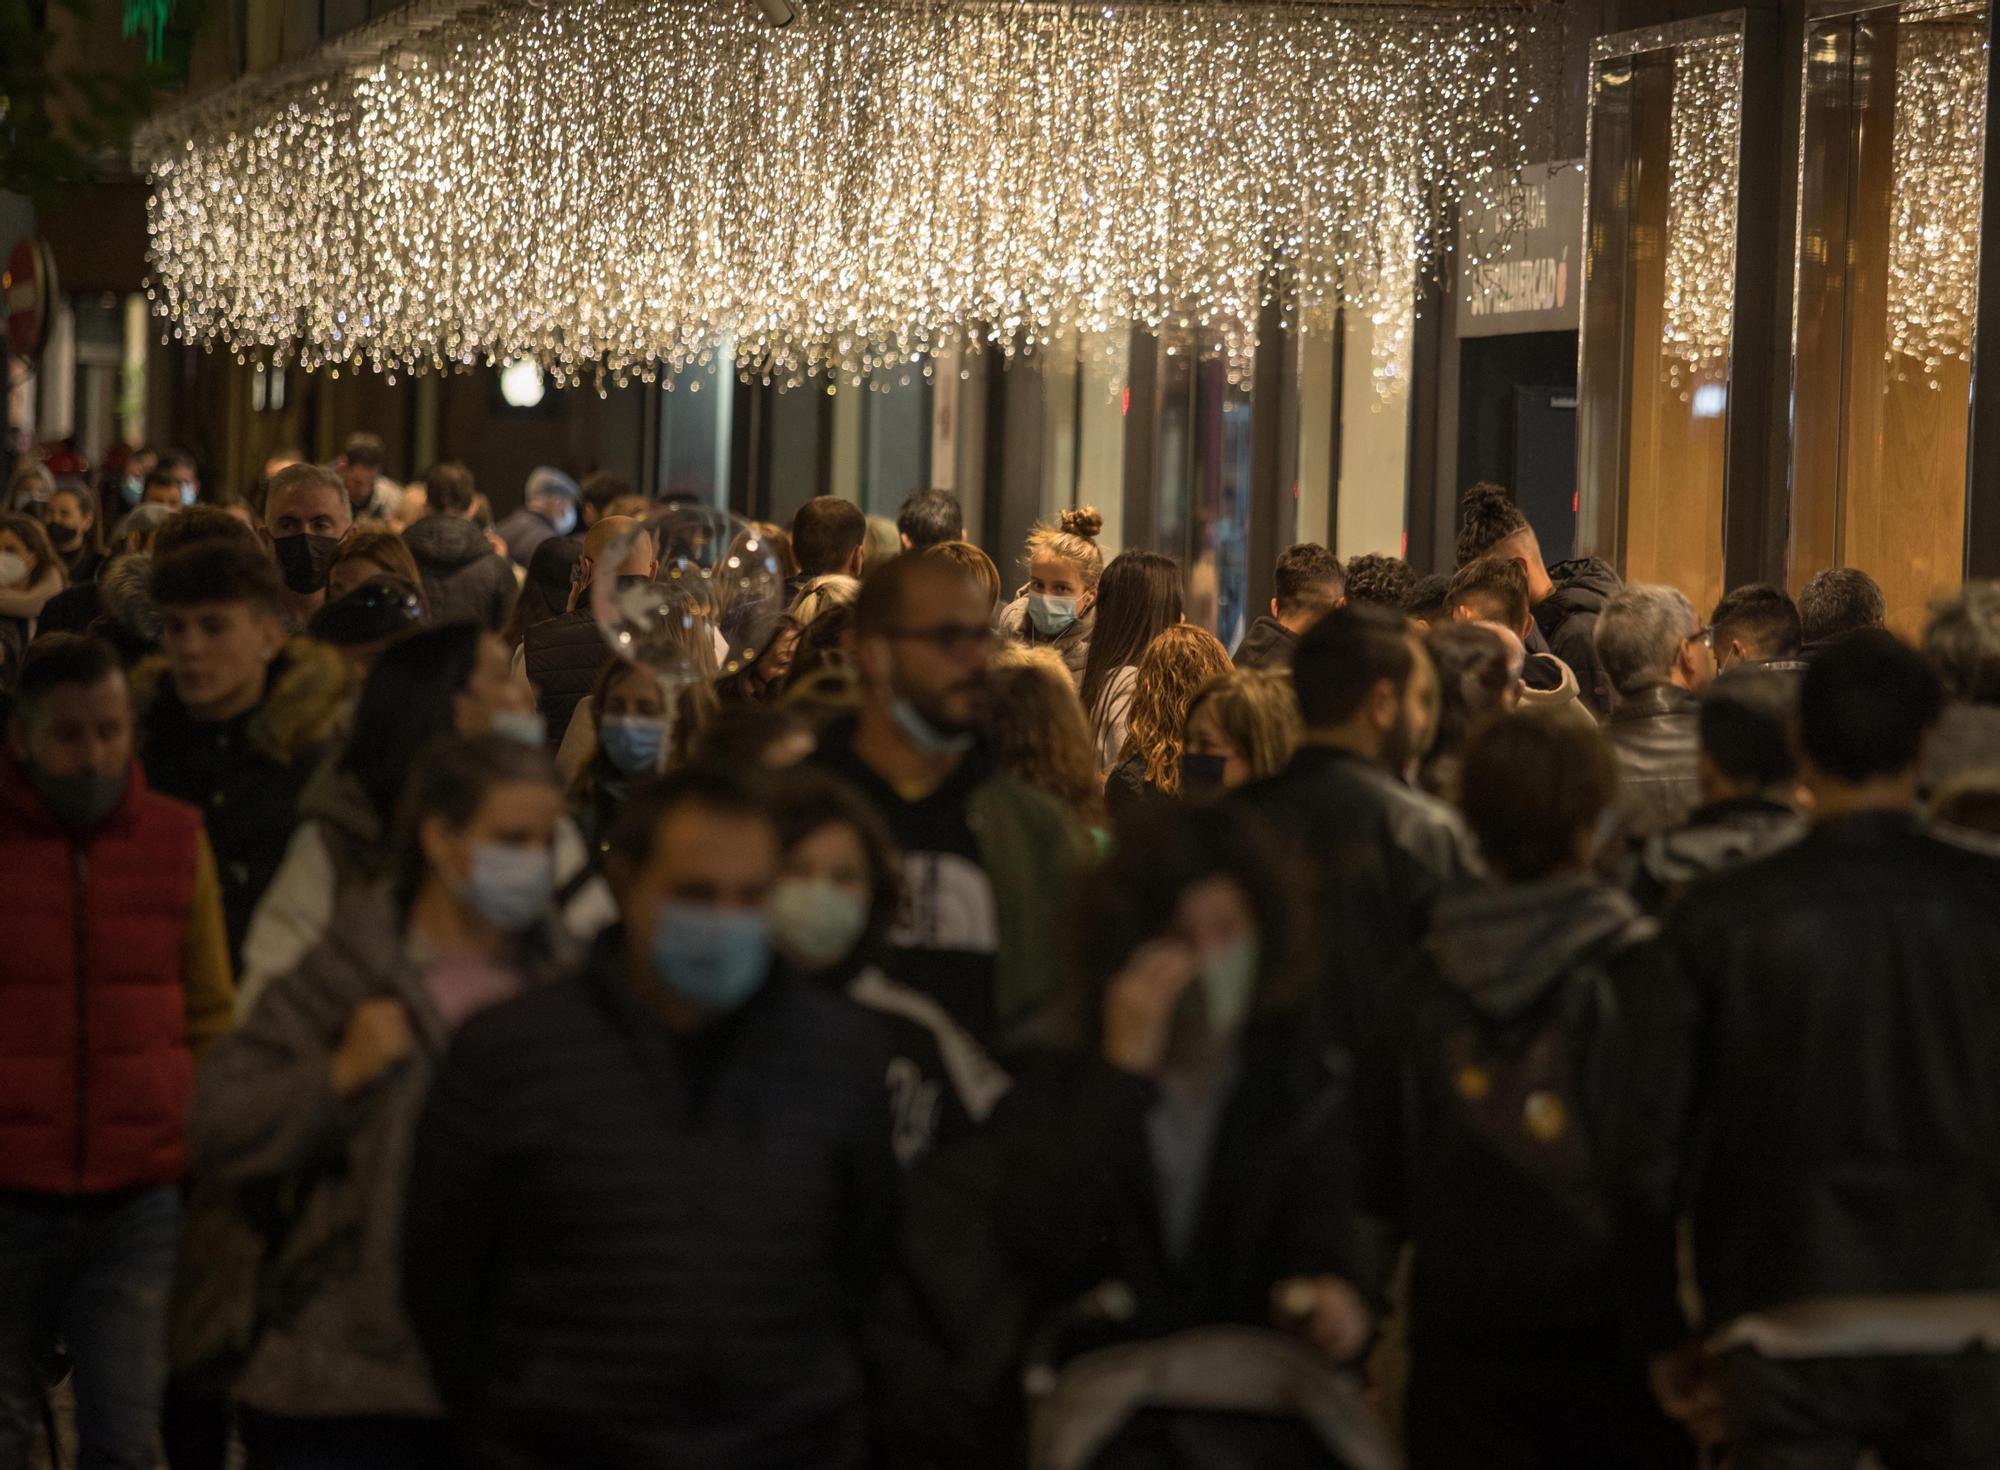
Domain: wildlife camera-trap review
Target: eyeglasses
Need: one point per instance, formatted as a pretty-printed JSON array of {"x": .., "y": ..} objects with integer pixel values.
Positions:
[{"x": 949, "y": 637}]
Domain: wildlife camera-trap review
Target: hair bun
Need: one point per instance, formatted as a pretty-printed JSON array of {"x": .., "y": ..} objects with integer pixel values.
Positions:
[
  {"x": 1085, "y": 521},
  {"x": 1487, "y": 498}
]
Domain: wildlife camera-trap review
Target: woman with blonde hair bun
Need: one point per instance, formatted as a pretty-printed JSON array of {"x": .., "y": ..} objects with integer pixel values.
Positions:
[
  {"x": 1242, "y": 726},
  {"x": 1172, "y": 670},
  {"x": 1058, "y": 607}
]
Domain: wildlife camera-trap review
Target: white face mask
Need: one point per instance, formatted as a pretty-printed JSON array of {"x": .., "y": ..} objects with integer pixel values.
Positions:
[{"x": 13, "y": 569}]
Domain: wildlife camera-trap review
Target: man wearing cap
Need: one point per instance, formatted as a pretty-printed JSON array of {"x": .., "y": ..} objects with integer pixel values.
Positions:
[{"x": 549, "y": 508}]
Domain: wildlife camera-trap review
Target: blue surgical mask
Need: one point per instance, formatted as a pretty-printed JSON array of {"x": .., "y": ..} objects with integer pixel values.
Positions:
[
  {"x": 1228, "y": 980},
  {"x": 815, "y": 923},
  {"x": 510, "y": 886},
  {"x": 928, "y": 738},
  {"x": 131, "y": 488},
  {"x": 1052, "y": 616},
  {"x": 633, "y": 742},
  {"x": 187, "y": 495},
  {"x": 564, "y": 520},
  {"x": 716, "y": 958},
  {"x": 529, "y": 728}
]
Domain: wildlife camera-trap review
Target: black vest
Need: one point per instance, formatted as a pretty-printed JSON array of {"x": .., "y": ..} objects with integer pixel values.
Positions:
[{"x": 563, "y": 656}]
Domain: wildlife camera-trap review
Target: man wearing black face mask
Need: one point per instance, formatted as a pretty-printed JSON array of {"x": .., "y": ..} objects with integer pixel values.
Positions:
[
  {"x": 117, "y": 972},
  {"x": 306, "y": 517}
]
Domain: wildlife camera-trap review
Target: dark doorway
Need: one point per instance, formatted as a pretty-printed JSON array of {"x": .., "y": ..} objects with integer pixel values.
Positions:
[{"x": 1517, "y": 426}]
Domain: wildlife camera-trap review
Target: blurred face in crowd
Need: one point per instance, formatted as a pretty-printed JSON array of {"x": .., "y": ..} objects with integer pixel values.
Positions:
[
  {"x": 522, "y": 815},
  {"x": 1694, "y": 662},
  {"x": 217, "y": 654},
  {"x": 1205, "y": 737},
  {"x": 359, "y": 480},
  {"x": 835, "y": 855},
  {"x": 635, "y": 694},
  {"x": 78, "y": 730},
  {"x": 936, "y": 658},
  {"x": 67, "y": 509},
  {"x": 1053, "y": 577},
  {"x": 160, "y": 492},
  {"x": 1214, "y": 916},
  {"x": 702, "y": 857},
  {"x": 1408, "y": 718},
  {"x": 13, "y": 545},
  {"x": 309, "y": 509},
  {"x": 492, "y": 689}
]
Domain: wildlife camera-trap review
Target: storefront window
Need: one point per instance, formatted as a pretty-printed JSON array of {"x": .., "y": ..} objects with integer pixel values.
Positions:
[{"x": 1892, "y": 141}]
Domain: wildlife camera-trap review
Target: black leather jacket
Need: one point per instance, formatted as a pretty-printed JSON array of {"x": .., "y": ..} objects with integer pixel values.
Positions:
[
  {"x": 1813, "y": 1077},
  {"x": 1656, "y": 734}
]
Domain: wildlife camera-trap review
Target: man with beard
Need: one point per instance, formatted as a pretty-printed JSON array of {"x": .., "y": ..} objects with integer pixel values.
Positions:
[
  {"x": 986, "y": 859},
  {"x": 1381, "y": 851}
]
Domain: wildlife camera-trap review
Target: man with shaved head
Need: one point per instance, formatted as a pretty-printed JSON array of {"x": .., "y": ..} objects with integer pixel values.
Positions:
[{"x": 563, "y": 655}]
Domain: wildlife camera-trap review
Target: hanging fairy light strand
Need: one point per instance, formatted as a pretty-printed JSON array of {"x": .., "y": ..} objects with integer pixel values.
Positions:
[
  {"x": 1698, "y": 312},
  {"x": 622, "y": 187}
]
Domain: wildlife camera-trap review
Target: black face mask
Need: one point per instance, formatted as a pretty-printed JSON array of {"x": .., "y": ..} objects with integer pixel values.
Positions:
[
  {"x": 1201, "y": 775},
  {"x": 62, "y": 537},
  {"x": 305, "y": 560},
  {"x": 80, "y": 802}
]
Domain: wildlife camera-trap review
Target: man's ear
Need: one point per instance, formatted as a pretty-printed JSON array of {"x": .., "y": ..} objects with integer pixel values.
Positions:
[{"x": 1274, "y": 607}]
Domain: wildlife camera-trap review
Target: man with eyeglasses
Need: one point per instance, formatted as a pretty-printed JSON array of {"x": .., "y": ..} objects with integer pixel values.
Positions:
[
  {"x": 1658, "y": 657},
  {"x": 986, "y": 859}
]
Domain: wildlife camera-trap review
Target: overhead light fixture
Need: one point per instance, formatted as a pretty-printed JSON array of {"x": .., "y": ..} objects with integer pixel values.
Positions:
[
  {"x": 778, "y": 13},
  {"x": 521, "y": 383}
]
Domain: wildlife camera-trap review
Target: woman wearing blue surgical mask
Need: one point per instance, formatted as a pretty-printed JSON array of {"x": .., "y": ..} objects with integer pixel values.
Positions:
[
  {"x": 830, "y": 917},
  {"x": 453, "y": 680},
  {"x": 303, "y": 1117},
  {"x": 1183, "y": 1138},
  {"x": 1058, "y": 607},
  {"x": 632, "y": 727}
]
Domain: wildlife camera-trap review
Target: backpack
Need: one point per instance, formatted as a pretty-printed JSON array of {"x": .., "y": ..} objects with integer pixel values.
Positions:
[{"x": 1521, "y": 1093}]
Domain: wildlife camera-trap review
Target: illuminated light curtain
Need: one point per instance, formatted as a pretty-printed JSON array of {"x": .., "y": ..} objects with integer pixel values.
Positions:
[
  {"x": 1699, "y": 308},
  {"x": 1938, "y": 145},
  {"x": 621, "y": 188}
]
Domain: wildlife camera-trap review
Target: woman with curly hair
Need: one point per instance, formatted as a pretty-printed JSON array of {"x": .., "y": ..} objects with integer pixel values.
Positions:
[{"x": 1171, "y": 672}]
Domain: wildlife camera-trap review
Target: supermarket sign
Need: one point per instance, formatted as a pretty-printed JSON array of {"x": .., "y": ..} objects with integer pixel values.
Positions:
[{"x": 1520, "y": 248}]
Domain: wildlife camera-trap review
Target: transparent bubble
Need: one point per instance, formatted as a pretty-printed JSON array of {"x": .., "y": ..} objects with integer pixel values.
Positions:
[{"x": 713, "y": 599}]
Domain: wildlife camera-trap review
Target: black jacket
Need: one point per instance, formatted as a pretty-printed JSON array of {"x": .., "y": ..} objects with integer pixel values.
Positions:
[
  {"x": 1268, "y": 645},
  {"x": 1716, "y": 837},
  {"x": 1055, "y": 1198},
  {"x": 1656, "y": 735},
  {"x": 629, "y": 1249},
  {"x": 1507, "y": 1247},
  {"x": 1568, "y": 619},
  {"x": 465, "y": 580},
  {"x": 1380, "y": 854},
  {"x": 1812, "y": 1079},
  {"x": 563, "y": 655},
  {"x": 245, "y": 774}
]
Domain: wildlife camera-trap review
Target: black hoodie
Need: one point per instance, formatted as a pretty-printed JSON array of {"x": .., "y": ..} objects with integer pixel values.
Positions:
[
  {"x": 465, "y": 580},
  {"x": 1568, "y": 618}
]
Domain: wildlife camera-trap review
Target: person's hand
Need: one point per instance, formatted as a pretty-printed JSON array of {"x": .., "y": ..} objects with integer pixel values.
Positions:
[
  {"x": 1689, "y": 1389},
  {"x": 378, "y": 1037},
  {"x": 1139, "y": 1005},
  {"x": 1326, "y": 1311}
]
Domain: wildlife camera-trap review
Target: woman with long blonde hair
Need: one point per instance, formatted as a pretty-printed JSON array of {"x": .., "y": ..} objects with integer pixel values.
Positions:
[{"x": 1171, "y": 672}]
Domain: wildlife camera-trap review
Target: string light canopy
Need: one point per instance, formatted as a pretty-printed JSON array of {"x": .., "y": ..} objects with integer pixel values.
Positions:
[
  {"x": 619, "y": 188},
  {"x": 1698, "y": 309}
]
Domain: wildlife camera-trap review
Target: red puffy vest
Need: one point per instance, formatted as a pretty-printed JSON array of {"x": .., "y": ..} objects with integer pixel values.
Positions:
[{"x": 95, "y": 1072}]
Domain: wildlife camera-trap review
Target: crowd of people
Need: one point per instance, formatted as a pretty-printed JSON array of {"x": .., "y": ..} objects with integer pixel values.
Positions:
[{"x": 1495, "y": 1019}]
